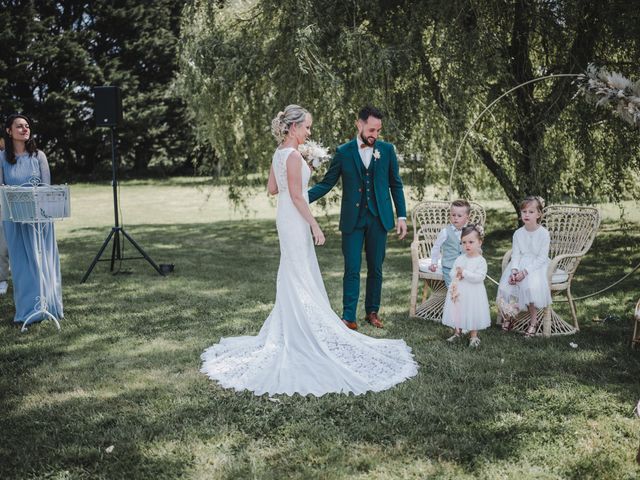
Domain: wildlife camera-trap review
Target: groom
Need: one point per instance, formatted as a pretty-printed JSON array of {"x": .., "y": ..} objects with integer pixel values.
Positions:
[{"x": 370, "y": 178}]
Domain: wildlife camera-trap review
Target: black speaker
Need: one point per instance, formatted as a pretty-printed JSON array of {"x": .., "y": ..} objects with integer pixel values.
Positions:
[{"x": 108, "y": 106}]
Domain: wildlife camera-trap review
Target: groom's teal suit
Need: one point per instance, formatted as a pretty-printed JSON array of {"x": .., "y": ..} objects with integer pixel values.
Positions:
[{"x": 366, "y": 215}]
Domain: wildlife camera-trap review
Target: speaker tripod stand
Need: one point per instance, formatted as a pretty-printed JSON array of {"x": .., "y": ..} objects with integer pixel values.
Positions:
[{"x": 117, "y": 253}]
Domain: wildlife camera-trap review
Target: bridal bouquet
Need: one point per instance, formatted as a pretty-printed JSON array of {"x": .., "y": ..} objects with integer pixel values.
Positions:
[{"x": 313, "y": 153}]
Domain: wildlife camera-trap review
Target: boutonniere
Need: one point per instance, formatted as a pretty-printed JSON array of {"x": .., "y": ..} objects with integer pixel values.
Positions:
[{"x": 376, "y": 154}]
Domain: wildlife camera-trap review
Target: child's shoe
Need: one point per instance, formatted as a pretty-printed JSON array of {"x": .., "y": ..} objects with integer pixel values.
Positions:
[
  {"x": 474, "y": 342},
  {"x": 453, "y": 338}
]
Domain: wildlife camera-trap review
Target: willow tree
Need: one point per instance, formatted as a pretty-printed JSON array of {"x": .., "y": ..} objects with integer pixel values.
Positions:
[{"x": 432, "y": 65}]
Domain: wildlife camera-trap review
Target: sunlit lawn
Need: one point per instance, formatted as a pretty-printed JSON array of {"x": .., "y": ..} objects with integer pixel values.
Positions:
[{"x": 123, "y": 371}]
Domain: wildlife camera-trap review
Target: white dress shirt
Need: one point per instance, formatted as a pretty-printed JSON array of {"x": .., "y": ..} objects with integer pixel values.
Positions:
[{"x": 365, "y": 153}]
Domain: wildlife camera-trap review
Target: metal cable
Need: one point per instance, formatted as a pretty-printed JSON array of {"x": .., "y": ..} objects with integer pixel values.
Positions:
[{"x": 634, "y": 269}]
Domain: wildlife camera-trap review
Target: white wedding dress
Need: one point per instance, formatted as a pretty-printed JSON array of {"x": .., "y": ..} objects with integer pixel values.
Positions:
[{"x": 303, "y": 346}]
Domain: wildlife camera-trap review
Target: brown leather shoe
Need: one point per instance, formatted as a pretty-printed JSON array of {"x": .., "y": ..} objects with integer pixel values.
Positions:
[
  {"x": 374, "y": 319},
  {"x": 350, "y": 325}
]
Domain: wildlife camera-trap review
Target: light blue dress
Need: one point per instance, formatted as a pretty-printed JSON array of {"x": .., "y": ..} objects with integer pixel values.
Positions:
[{"x": 21, "y": 240}]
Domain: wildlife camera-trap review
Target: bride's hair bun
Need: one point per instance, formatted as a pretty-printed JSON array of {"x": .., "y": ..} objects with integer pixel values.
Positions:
[{"x": 292, "y": 115}]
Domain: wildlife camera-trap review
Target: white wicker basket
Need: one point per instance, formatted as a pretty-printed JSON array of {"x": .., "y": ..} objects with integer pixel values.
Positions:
[{"x": 44, "y": 203}]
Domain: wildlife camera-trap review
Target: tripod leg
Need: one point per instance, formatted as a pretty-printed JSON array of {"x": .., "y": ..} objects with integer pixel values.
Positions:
[
  {"x": 142, "y": 252},
  {"x": 95, "y": 260},
  {"x": 115, "y": 251}
]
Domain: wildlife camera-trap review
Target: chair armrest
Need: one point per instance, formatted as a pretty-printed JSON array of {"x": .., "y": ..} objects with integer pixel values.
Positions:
[
  {"x": 505, "y": 259},
  {"x": 415, "y": 256},
  {"x": 553, "y": 264}
]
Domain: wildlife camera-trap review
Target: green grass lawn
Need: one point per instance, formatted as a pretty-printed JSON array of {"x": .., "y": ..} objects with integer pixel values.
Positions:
[{"x": 123, "y": 371}]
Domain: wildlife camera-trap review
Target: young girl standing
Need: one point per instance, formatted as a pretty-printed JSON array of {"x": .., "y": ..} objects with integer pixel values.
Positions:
[
  {"x": 524, "y": 284},
  {"x": 466, "y": 307}
]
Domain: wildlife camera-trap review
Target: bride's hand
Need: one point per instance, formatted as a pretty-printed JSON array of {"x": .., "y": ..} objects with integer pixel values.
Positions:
[{"x": 318, "y": 236}]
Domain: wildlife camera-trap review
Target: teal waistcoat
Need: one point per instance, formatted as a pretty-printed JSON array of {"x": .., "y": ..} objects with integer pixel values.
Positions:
[
  {"x": 368, "y": 197},
  {"x": 451, "y": 248}
]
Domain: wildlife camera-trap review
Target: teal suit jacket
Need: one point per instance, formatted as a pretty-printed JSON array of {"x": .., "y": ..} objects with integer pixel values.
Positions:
[{"x": 387, "y": 184}]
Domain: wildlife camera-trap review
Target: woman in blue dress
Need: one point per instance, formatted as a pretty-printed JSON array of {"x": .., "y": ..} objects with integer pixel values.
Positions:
[{"x": 22, "y": 163}]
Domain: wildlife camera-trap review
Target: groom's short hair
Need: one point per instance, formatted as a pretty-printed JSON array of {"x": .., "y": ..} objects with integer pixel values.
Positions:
[{"x": 370, "y": 111}]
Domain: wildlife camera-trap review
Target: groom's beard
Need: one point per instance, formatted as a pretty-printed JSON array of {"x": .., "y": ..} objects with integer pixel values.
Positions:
[{"x": 368, "y": 141}]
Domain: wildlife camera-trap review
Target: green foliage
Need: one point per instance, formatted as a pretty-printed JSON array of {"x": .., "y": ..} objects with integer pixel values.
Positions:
[
  {"x": 433, "y": 66},
  {"x": 55, "y": 52}
]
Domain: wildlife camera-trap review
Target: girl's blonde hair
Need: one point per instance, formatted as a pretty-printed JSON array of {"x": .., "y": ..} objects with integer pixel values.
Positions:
[
  {"x": 539, "y": 201},
  {"x": 292, "y": 115}
]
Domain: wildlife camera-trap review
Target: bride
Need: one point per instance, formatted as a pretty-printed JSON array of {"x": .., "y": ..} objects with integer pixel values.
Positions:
[{"x": 303, "y": 346}]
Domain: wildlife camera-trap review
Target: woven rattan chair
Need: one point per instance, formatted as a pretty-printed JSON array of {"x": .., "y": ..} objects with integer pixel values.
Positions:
[
  {"x": 572, "y": 229},
  {"x": 635, "y": 340},
  {"x": 428, "y": 219}
]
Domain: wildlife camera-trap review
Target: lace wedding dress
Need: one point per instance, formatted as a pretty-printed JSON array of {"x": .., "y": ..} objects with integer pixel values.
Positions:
[{"x": 303, "y": 346}]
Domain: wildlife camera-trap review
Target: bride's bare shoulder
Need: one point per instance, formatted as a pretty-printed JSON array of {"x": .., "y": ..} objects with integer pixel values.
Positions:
[
  {"x": 294, "y": 154},
  {"x": 294, "y": 157}
]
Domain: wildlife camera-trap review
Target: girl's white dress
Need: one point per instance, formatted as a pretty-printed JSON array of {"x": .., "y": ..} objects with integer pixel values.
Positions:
[
  {"x": 530, "y": 252},
  {"x": 470, "y": 311}
]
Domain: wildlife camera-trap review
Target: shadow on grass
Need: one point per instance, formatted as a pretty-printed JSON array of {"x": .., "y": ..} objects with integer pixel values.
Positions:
[{"x": 124, "y": 371}]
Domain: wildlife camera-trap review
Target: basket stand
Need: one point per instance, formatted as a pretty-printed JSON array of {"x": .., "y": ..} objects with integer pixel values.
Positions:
[{"x": 41, "y": 304}]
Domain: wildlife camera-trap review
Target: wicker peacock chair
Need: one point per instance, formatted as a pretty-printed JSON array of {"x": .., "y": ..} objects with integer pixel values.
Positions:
[
  {"x": 572, "y": 229},
  {"x": 428, "y": 218}
]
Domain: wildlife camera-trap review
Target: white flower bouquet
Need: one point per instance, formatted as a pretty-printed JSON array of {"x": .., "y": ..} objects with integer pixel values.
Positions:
[
  {"x": 453, "y": 290},
  {"x": 313, "y": 153},
  {"x": 509, "y": 308}
]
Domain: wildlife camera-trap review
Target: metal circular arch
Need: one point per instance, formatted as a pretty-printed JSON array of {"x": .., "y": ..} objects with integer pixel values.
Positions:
[{"x": 486, "y": 109}]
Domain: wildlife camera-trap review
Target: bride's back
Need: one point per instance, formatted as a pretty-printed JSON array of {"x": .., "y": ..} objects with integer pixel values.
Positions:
[{"x": 279, "y": 163}]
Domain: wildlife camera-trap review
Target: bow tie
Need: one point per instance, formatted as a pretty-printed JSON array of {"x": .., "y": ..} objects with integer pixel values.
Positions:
[{"x": 364, "y": 145}]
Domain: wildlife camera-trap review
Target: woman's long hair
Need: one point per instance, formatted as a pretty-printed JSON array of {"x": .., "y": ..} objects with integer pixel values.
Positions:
[{"x": 30, "y": 144}]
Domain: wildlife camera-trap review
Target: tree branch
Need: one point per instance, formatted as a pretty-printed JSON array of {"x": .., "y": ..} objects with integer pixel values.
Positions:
[{"x": 500, "y": 174}]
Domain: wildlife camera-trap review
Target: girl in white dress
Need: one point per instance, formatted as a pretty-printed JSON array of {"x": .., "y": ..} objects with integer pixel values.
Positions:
[
  {"x": 524, "y": 284},
  {"x": 466, "y": 308},
  {"x": 303, "y": 346}
]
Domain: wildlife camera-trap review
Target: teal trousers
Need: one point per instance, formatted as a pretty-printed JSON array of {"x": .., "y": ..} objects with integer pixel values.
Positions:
[{"x": 369, "y": 233}]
